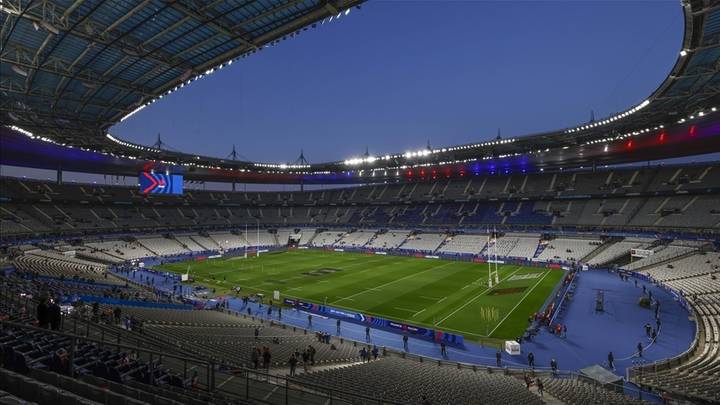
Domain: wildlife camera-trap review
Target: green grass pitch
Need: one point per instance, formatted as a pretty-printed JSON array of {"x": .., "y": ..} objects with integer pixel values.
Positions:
[{"x": 443, "y": 294}]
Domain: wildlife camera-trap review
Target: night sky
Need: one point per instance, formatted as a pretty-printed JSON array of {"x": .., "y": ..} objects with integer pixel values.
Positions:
[{"x": 396, "y": 74}]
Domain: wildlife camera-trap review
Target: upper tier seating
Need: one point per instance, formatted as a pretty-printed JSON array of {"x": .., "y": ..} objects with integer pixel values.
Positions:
[{"x": 620, "y": 198}]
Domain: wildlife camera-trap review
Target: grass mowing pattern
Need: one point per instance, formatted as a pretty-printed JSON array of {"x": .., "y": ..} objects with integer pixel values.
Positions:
[{"x": 443, "y": 294}]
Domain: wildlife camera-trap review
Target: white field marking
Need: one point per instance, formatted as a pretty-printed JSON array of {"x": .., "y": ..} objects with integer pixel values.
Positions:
[
  {"x": 295, "y": 288},
  {"x": 395, "y": 281},
  {"x": 228, "y": 271},
  {"x": 441, "y": 300},
  {"x": 463, "y": 332},
  {"x": 404, "y": 309},
  {"x": 269, "y": 394},
  {"x": 428, "y": 298},
  {"x": 527, "y": 276},
  {"x": 418, "y": 312},
  {"x": 521, "y": 300},
  {"x": 324, "y": 281},
  {"x": 476, "y": 297},
  {"x": 466, "y": 286},
  {"x": 226, "y": 381}
]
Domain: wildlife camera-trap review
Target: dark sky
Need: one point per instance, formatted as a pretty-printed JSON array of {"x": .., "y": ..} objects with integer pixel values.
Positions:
[{"x": 397, "y": 73}]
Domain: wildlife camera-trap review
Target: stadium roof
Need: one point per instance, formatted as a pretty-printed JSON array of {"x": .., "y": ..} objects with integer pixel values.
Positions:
[{"x": 71, "y": 69}]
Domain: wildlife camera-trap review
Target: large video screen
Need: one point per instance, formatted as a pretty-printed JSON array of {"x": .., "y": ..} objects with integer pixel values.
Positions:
[{"x": 159, "y": 183}]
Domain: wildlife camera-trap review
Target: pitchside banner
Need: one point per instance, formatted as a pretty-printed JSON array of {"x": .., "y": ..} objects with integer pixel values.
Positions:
[{"x": 393, "y": 326}]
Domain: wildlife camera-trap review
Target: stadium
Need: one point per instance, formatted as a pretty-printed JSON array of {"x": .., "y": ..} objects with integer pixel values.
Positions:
[{"x": 564, "y": 267}]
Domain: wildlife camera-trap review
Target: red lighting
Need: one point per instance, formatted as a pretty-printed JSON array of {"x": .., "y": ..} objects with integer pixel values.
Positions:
[
  {"x": 693, "y": 130},
  {"x": 662, "y": 137},
  {"x": 629, "y": 144}
]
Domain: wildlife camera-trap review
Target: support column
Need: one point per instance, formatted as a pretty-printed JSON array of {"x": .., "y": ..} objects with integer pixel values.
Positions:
[{"x": 58, "y": 177}]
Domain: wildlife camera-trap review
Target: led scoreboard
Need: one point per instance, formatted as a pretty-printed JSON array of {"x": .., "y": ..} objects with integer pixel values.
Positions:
[{"x": 159, "y": 183}]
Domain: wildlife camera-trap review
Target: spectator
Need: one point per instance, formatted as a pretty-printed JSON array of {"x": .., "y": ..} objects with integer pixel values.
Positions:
[
  {"x": 498, "y": 358},
  {"x": 255, "y": 357},
  {"x": 311, "y": 353},
  {"x": 305, "y": 359},
  {"x": 443, "y": 348},
  {"x": 266, "y": 357},
  {"x": 257, "y": 333},
  {"x": 405, "y": 342},
  {"x": 42, "y": 313},
  {"x": 375, "y": 352},
  {"x": 528, "y": 381},
  {"x": 640, "y": 349},
  {"x": 531, "y": 360},
  {"x": 337, "y": 325},
  {"x": 309, "y": 321},
  {"x": 540, "y": 386},
  {"x": 293, "y": 363},
  {"x": 54, "y": 315},
  {"x": 554, "y": 366}
]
